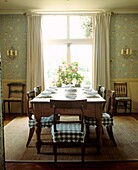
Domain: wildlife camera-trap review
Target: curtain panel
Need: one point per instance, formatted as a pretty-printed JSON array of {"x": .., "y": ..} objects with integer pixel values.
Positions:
[
  {"x": 101, "y": 63},
  {"x": 35, "y": 71}
]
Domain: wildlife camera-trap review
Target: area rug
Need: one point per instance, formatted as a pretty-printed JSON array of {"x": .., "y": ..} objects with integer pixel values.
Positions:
[{"x": 125, "y": 132}]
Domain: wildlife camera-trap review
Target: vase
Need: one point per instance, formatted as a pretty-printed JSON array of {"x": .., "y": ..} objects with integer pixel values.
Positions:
[{"x": 59, "y": 84}]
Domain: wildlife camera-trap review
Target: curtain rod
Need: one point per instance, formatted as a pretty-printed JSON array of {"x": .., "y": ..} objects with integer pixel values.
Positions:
[{"x": 37, "y": 12}]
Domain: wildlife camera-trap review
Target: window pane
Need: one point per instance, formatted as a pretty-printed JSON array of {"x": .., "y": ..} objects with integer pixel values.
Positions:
[
  {"x": 54, "y": 27},
  {"x": 83, "y": 55},
  {"x": 67, "y": 38},
  {"x": 80, "y": 27},
  {"x": 54, "y": 55}
]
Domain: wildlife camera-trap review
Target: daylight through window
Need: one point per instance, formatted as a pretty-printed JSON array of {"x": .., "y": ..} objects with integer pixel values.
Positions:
[{"x": 67, "y": 38}]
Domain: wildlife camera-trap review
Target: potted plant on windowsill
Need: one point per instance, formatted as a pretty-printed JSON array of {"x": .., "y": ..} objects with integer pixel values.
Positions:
[{"x": 69, "y": 74}]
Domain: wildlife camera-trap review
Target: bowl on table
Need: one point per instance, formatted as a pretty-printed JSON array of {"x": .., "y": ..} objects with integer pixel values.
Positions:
[
  {"x": 92, "y": 93},
  {"x": 70, "y": 91},
  {"x": 45, "y": 93},
  {"x": 71, "y": 96},
  {"x": 52, "y": 90}
]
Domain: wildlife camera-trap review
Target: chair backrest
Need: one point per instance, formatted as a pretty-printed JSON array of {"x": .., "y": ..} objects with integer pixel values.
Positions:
[
  {"x": 37, "y": 90},
  {"x": 102, "y": 93},
  {"x": 16, "y": 90},
  {"x": 30, "y": 96},
  {"x": 120, "y": 89},
  {"x": 68, "y": 108},
  {"x": 110, "y": 102}
]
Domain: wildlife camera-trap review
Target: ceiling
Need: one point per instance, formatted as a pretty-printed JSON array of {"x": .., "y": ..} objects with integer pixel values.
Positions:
[{"x": 68, "y": 5}]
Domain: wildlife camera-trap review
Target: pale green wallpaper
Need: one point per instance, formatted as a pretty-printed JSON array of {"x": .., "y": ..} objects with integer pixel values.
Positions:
[
  {"x": 1, "y": 130},
  {"x": 13, "y": 30},
  {"x": 124, "y": 31}
]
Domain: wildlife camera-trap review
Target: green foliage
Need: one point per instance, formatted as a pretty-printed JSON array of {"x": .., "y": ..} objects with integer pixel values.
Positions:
[{"x": 86, "y": 24}]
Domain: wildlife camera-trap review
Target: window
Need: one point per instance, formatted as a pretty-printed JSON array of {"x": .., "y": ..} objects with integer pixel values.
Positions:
[{"x": 67, "y": 38}]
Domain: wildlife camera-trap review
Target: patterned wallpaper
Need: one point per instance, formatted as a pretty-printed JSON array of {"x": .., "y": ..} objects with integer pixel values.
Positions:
[
  {"x": 13, "y": 30},
  {"x": 124, "y": 31},
  {"x": 1, "y": 129}
]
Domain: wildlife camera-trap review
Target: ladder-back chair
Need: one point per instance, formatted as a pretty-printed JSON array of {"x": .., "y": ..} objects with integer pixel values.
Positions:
[
  {"x": 66, "y": 130},
  {"x": 45, "y": 121},
  {"x": 107, "y": 115},
  {"x": 15, "y": 95},
  {"x": 122, "y": 101}
]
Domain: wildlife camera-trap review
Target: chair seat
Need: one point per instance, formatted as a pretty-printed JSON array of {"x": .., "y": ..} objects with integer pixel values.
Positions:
[
  {"x": 68, "y": 133},
  {"x": 45, "y": 121},
  {"x": 90, "y": 121},
  {"x": 106, "y": 120},
  {"x": 122, "y": 98}
]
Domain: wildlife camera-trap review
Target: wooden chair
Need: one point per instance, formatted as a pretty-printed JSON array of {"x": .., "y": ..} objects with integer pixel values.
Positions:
[
  {"x": 45, "y": 121},
  {"x": 30, "y": 113},
  {"x": 102, "y": 93},
  {"x": 68, "y": 131},
  {"x": 122, "y": 101},
  {"x": 107, "y": 115},
  {"x": 15, "y": 94}
]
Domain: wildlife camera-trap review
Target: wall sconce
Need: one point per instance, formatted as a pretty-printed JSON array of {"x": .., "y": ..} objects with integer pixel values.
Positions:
[
  {"x": 12, "y": 52},
  {"x": 126, "y": 52}
]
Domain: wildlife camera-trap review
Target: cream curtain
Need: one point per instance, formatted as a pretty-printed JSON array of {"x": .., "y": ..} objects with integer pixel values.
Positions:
[
  {"x": 101, "y": 64},
  {"x": 35, "y": 71}
]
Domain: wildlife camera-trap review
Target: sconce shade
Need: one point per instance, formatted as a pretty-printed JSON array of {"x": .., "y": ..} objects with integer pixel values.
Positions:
[
  {"x": 126, "y": 52},
  {"x": 11, "y": 52}
]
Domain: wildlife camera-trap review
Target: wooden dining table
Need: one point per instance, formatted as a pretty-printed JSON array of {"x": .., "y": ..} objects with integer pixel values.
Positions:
[{"x": 41, "y": 104}]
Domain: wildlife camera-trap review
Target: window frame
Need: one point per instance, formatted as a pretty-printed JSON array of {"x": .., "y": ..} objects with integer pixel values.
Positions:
[{"x": 68, "y": 41}]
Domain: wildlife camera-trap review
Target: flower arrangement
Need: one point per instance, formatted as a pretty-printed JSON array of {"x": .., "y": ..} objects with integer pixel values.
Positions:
[{"x": 68, "y": 74}]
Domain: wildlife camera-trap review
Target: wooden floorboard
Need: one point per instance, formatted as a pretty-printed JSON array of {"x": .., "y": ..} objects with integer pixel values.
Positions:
[{"x": 126, "y": 165}]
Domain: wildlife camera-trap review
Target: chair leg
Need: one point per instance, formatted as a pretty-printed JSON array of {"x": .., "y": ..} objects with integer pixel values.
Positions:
[
  {"x": 110, "y": 133},
  {"x": 21, "y": 108},
  {"x": 9, "y": 110},
  {"x": 130, "y": 106},
  {"x": 102, "y": 130},
  {"x": 31, "y": 132},
  {"x": 98, "y": 138},
  {"x": 3, "y": 109},
  {"x": 116, "y": 105},
  {"x": 55, "y": 152},
  {"x": 87, "y": 132},
  {"x": 125, "y": 105},
  {"x": 82, "y": 151},
  {"x": 39, "y": 142}
]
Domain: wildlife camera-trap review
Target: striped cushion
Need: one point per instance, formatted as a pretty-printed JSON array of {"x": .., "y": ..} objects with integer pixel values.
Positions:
[
  {"x": 45, "y": 121},
  {"x": 106, "y": 120},
  {"x": 68, "y": 133}
]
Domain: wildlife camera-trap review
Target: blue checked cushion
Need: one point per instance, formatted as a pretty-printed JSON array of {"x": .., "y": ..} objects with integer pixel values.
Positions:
[
  {"x": 106, "y": 120},
  {"x": 45, "y": 121},
  {"x": 68, "y": 133}
]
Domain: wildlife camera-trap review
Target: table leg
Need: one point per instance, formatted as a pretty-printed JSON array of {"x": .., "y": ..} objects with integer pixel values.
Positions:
[
  {"x": 99, "y": 138},
  {"x": 99, "y": 126},
  {"x": 38, "y": 134}
]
